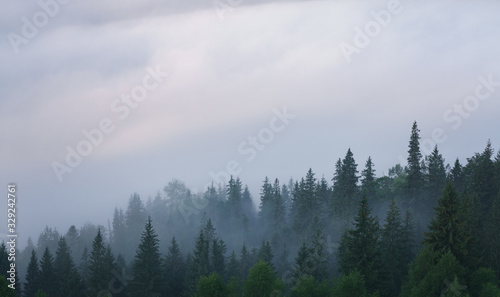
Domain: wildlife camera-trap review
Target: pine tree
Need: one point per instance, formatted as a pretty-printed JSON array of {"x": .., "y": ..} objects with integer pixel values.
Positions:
[
  {"x": 200, "y": 263},
  {"x": 97, "y": 276},
  {"x": 73, "y": 240},
  {"x": 31, "y": 285},
  {"x": 415, "y": 178},
  {"x": 319, "y": 256},
  {"x": 233, "y": 267},
  {"x": 303, "y": 266},
  {"x": 392, "y": 250},
  {"x": 261, "y": 281},
  {"x": 266, "y": 254},
  {"x": 218, "y": 263},
  {"x": 436, "y": 177},
  {"x": 69, "y": 283},
  {"x": 358, "y": 246},
  {"x": 368, "y": 182},
  {"x": 47, "y": 279},
  {"x": 345, "y": 187},
  {"x": 456, "y": 176},
  {"x": 211, "y": 286},
  {"x": 266, "y": 203},
  {"x": 119, "y": 238},
  {"x": 146, "y": 268},
  {"x": 174, "y": 270},
  {"x": 446, "y": 230},
  {"x": 279, "y": 212},
  {"x": 83, "y": 268},
  {"x": 246, "y": 262}
]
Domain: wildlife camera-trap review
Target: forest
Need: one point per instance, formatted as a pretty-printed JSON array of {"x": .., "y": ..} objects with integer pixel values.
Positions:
[{"x": 427, "y": 228}]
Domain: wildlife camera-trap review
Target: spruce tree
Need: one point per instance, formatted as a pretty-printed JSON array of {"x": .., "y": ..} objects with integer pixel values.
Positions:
[
  {"x": 262, "y": 281},
  {"x": 174, "y": 270},
  {"x": 414, "y": 178},
  {"x": 266, "y": 254},
  {"x": 345, "y": 187},
  {"x": 392, "y": 245},
  {"x": 97, "y": 276},
  {"x": 447, "y": 229},
  {"x": 436, "y": 179},
  {"x": 69, "y": 283},
  {"x": 47, "y": 279},
  {"x": 146, "y": 268},
  {"x": 368, "y": 182},
  {"x": 233, "y": 267},
  {"x": 83, "y": 267},
  {"x": 303, "y": 266},
  {"x": 358, "y": 249},
  {"x": 218, "y": 262},
  {"x": 456, "y": 176},
  {"x": 31, "y": 285},
  {"x": 266, "y": 207}
]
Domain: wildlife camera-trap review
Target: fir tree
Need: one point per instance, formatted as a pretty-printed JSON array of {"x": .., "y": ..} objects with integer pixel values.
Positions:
[
  {"x": 69, "y": 283},
  {"x": 446, "y": 230},
  {"x": 31, "y": 285},
  {"x": 303, "y": 266},
  {"x": 456, "y": 176},
  {"x": 368, "y": 182},
  {"x": 174, "y": 270},
  {"x": 392, "y": 245},
  {"x": 97, "y": 276},
  {"x": 146, "y": 268},
  {"x": 47, "y": 279},
  {"x": 358, "y": 246},
  {"x": 345, "y": 187},
  {"x": 261, "y": 281},
  {"x": 218, "y": 263},
  {"x": 436, "y": 176},
  {"x": 266, "y": 254},
  {"x": 415, "y": 178}
]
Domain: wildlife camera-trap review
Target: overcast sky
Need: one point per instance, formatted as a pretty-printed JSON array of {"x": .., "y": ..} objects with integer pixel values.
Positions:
[{"x": 307, "y": 79}]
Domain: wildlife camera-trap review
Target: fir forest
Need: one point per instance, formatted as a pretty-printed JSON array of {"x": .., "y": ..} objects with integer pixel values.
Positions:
[{"x": 427, "y": 229}]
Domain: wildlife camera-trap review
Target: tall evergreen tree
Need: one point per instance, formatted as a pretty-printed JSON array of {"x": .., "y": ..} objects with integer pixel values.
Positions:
[
  {"x": 31, "y": 285},
  {"x": 368, "y": 182},
  {"x": 415, "y": 178},
  {"x": 218, "y": 262},
  {"x": 436, "y": 176},
  {"x": 392, "y": 245},
  {"x": 69, "y": 283},
  {"x": 266, "y": 203},
  {"x": 83, "y": 268},
  {"x": 303, "y": 266},
  {"x": 135, "y": 218},
  {"x": 119, "y": 238},
  {"x": 47, "y": 279},
  {"x": 97, "y": 276},
  {"x": 447, "y": 229},
  {"x": 174, "y": 270},
  {"x": 261, "y": 281},
  {"x": 358, "y": 247},
  {"x": 456, "y": 176},
  {"x": 146, "y": 268},
  {"x": 266, "y": 254},
  {"x": 345, "y": 188}
]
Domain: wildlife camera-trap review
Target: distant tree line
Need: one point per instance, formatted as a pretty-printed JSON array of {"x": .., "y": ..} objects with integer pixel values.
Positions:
[{"x": 424, "y": 229}]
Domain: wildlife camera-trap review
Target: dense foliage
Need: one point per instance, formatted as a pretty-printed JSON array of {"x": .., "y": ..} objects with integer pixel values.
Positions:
[{"x": 426, "y": 229}]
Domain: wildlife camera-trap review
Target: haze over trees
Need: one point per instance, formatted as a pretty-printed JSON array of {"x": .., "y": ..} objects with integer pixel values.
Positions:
[{"x": 426, "y": 229}]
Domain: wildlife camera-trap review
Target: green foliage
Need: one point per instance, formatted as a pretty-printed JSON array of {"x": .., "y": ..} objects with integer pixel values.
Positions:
[
  {"x": 261, "y": 281},
  {"x": 414, "y": 178},
  {"x": 345, "y": 188},
  {"x": 211, "y": 286},
  {"x": 146, "y": 268},
  {"x": 32, "y": 276},
  {"x": 358, "y": 249},
  {"x": 431, "y": 275},
  {"x": 47, "y": 279},
  {"x": 351, "y": 284},
  {"x": 97, "y": 279},
  {"x": 41, "y": 293},
  {"x": 174, "y": 270},
  {"x": 368, "y": 182},
  {"x": 308, "y": 286},
  {"x": 480, "y": 278},
  {"x": 447, "y": 230},
  {"x": 5, "y": 291},
  {"x": 392, "y": 250}
]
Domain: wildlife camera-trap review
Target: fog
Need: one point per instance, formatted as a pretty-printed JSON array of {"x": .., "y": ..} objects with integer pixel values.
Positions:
[{"x": 103, "y": 102}]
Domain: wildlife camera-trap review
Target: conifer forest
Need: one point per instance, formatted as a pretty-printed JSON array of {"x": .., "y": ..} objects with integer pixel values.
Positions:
[{"x": 428, "y": 228}]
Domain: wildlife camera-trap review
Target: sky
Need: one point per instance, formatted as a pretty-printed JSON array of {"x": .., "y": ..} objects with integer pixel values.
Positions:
[{"x": 100, "y": 101}]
